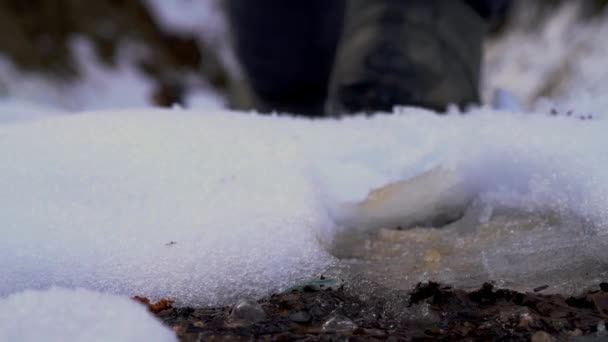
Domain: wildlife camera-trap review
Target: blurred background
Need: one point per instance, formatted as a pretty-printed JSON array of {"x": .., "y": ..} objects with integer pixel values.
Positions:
[{"x": 73, "y": 55}]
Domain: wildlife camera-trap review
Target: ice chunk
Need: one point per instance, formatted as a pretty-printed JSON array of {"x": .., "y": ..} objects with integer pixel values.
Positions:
[
  {"x": 338, "y": 324},
  {"x": 248, "y": 311},
  {"x": 431, "y": 199}
]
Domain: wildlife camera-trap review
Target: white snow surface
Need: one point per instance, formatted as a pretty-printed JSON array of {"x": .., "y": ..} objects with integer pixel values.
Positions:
[
  {"x": 60, "y": 315},
  {"x": 203, "y": 209},
  {"x": 208, "y": 207}
]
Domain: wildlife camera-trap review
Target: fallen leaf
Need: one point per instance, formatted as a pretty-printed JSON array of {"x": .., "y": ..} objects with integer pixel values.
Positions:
[{"x": 161, "y": 305}]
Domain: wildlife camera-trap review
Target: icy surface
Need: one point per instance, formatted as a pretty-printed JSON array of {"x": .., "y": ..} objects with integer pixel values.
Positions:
[
  {"x": 539, "y": 216},
  {"x": 59, "y": 315}
]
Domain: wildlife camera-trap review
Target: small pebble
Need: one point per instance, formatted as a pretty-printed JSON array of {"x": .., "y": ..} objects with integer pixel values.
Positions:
[
  {"x": 601, "y": 328},
  {"x": 525, "y": 320},
  {"x": 300, "y": 317},
  {"x": 339, "y": 324},
  {"x": 249, "y": 311}
]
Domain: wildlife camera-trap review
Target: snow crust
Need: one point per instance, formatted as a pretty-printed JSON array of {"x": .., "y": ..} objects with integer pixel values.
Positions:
[{"x": 59, "y": 315}]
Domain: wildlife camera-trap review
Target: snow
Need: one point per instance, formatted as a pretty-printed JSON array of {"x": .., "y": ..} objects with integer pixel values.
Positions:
[
  {"x": 209, "y": 207},
  {"x": 187, "y": 16},
  {"x": 203, "y": 19},
  {"x": 96, "y": 200},
  {"x": 514, "y": 62},
  {"x": 58, "y": 315},
  {"x": 13, "y": 110},
  {"x": 558, "y": 57}
]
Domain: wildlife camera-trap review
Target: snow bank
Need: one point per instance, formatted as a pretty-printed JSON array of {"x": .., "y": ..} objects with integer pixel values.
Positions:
[
  {"x": 59, "y": 315},
  {"x": 208, "y": 207}
]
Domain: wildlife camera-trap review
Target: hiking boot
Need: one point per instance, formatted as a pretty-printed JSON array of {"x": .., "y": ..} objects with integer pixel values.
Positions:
[{"x": 424, "y": 53}]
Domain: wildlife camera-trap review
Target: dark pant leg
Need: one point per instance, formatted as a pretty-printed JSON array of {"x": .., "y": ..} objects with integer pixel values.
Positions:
[{"x": 287, "y": 48}]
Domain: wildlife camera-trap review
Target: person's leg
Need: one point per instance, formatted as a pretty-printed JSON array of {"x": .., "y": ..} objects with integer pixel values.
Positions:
[
  {"x": 424, "y": 53},
  {"x": 286, "y": 49}
]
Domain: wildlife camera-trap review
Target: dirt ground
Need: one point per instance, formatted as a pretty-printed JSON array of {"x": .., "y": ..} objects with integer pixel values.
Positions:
[{"x": 430, "y": 312}]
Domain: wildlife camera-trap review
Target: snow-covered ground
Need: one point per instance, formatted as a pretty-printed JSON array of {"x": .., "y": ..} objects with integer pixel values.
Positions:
[
  {"x": 207, "y": 206},
  {"x": 60, "y": 315}
]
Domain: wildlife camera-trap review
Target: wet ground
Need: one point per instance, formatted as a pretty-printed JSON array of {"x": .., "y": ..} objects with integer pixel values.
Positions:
[
  {"x": 547, "y": 273},
  {"x": 324, "y": 310}
]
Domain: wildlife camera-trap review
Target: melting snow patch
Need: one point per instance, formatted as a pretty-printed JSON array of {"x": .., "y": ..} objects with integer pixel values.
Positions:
[
  {"x": 77, "y": 315},
  {"x": 207, "y": 209}
]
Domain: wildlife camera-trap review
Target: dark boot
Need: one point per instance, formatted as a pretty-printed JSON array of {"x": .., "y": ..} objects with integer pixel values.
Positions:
[{"x": 423, "y": 53}]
